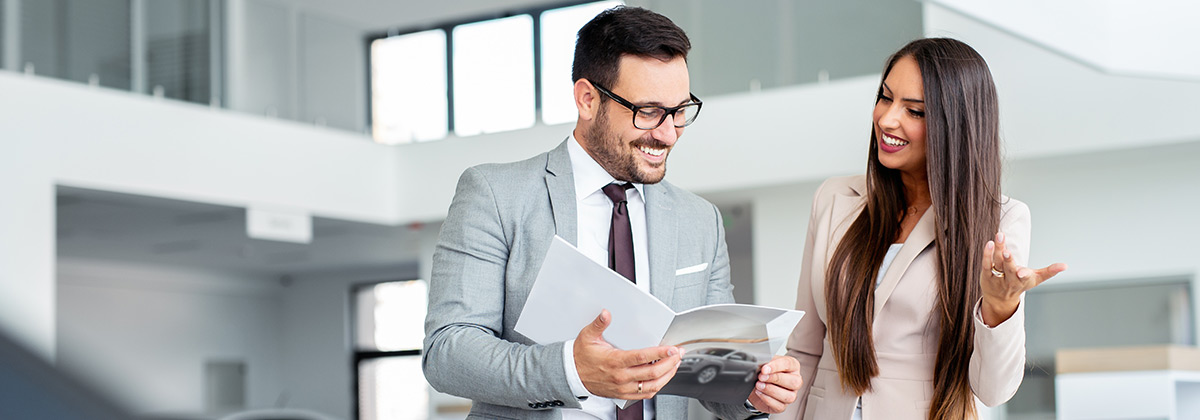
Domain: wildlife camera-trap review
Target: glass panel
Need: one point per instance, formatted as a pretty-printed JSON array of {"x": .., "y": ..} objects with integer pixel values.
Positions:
[
  {"x": 3, "y": 27},
  {"x": 392, "y": 388},
  {"x": 408, "y": 87},
  {"x": 558, "y": 31},
  {"x": 391, "y": 316},
  {"x": 493, "y": 76},
  {"x": 177, "y": 49},
  {"x": 82, "y": 40}
]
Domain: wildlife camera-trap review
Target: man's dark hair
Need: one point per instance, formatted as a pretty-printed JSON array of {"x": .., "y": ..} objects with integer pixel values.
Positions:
[{"x": 624, "y": 30}]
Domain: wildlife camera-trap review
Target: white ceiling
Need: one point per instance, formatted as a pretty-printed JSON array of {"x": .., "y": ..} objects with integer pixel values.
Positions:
[
  {"x": 112, "y": 226},
  {"x": 379, "y": 15}
]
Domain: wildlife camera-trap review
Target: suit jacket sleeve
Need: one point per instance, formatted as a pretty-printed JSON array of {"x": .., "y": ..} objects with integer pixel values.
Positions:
[
  {"x": 806, "y": 343},
  {"x": 463, "y": 352},
  {"x": 998, "y": 362}
]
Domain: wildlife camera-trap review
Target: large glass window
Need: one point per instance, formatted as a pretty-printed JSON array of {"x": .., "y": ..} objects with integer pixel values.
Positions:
[
  {"x": 558, "y": 31},
  {"x": 493, "y": 75},
  {"x": 389, "y": 323},
  {"x": 178, "y": 49},
  {"x": 82, "y": 40},
  {"x": 477, "y": 77},
  {"x": 408, "y": 87}
]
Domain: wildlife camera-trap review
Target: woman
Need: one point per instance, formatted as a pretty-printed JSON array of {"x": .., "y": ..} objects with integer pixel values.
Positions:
[{"x": 913, "y": 297}]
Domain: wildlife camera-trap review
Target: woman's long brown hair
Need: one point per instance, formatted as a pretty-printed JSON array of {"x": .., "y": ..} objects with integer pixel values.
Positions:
[{"x": 963, "y": 164}]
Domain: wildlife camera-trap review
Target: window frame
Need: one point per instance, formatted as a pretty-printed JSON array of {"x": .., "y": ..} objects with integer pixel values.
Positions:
[
  {"x": 448, "y": 28},
  {"x": 357, "y": 356}
]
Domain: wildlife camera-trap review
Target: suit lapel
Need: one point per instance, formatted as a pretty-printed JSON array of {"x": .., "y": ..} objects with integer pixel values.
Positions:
[
  {"x": 561, "y": 185},
  {"x": 919, "y": 239},
  {"x": 847, "y": 207},
  {"x": 661, "y": 239}
]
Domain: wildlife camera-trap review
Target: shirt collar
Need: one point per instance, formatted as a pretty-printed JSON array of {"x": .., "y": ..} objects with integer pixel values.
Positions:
[{"x": 589, "y": 175}]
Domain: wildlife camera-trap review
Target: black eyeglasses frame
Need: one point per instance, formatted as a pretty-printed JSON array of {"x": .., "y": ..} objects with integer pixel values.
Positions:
[{"x": 667, "y": 110}]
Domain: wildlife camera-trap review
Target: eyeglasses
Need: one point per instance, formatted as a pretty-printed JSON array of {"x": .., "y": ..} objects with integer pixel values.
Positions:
[{"x": 649, "y": 117}]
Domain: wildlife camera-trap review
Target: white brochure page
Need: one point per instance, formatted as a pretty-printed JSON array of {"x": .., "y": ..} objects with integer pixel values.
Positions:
[{"x": 571, "y": 290}]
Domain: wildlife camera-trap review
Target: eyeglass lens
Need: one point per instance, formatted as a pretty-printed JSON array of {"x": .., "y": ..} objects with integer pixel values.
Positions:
[{"x": 650, "y": 118}]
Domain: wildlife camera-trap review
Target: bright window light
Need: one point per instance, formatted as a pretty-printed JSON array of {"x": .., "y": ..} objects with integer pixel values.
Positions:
[
  {"x": 493, "y": 76},
  {"x": 393, "y": 388},
  {"x": 408, "y": 87},
  {"x": 559, "y": 29},
  {"x": 400, "y": 314}
]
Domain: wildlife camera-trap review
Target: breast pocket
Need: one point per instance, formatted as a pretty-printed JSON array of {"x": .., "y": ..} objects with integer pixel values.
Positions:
[{"x": 691, "y": 276}]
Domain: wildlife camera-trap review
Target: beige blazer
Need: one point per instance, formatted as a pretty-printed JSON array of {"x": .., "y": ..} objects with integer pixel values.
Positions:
[{"x": 905, "y": 326}]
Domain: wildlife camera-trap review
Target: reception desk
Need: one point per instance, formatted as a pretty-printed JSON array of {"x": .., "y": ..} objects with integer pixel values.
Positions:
[{"x": 1153, "y": 382}]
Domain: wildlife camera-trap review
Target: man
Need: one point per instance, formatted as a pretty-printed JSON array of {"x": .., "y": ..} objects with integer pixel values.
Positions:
[{"x": 601, "y": 190}]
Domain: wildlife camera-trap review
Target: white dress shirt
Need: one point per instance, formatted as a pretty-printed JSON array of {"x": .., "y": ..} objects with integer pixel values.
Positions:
[{"x": 593, "y": 217}]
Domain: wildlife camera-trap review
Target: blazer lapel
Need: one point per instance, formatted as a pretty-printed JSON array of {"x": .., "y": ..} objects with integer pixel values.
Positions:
[
  {"x": 560, "y": 182},
  {"x": 661, "y": 239},
  {"x": 846, "y": 208},
  {"x": 919, "y": 239}
]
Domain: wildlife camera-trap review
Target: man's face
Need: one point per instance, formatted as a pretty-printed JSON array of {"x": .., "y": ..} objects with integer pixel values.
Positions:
[{"x": 627, "y": 152}]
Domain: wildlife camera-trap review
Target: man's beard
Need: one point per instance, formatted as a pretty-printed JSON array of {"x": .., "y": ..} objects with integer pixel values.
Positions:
[{"x": 610, "y": 152}]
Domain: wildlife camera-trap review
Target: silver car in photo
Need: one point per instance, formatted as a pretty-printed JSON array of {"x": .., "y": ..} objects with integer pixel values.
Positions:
[{"x": 708, "y": 364}]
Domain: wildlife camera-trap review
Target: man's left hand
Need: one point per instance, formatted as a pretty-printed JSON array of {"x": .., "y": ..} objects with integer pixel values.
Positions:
[{"x": 778, "y": 381}]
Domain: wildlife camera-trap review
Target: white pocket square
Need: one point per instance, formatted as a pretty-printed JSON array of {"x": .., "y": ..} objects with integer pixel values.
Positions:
[{"x": 693, "y": 269}]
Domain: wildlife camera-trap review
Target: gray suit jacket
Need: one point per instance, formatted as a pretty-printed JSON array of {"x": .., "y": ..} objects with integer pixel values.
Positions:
[{"x": 491, "y": 247}]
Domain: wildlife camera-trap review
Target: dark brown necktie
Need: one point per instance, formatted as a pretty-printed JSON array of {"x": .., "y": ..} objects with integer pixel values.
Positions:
[{"x": 620, "y": 259}]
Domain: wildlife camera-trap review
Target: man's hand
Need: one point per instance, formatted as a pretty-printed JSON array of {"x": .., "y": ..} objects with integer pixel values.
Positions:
[
  {"x": 626, "y": 375},
  {"x": 778, "y": 381}
]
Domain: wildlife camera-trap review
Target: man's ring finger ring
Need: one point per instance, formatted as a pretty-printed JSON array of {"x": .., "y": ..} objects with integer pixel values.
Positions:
[
  {"x": 639, "y": 387},
  {"x": 996, "y": 272}
]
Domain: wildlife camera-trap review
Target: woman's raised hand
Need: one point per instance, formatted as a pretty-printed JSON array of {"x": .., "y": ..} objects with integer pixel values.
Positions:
[{"x": 1003, "y": 281}]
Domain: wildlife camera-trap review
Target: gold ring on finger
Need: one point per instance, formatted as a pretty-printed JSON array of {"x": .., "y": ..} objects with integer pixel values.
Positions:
[
  {"x": 996, "y": 272},
  {"x": 639, "y": 387}
]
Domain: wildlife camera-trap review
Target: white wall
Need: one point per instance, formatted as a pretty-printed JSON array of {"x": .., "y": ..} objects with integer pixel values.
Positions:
[
  {"x": 64, "y": 133},
  {"x": 1153, "y": 38},
  {"x": 142, "y": 334}
]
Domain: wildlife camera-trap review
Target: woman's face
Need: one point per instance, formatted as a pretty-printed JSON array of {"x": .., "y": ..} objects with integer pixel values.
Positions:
[{"x": 900, "y": 119}]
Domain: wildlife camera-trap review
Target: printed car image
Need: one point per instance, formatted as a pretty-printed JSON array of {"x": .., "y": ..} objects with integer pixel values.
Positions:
[{"x": 710, "y": 363}]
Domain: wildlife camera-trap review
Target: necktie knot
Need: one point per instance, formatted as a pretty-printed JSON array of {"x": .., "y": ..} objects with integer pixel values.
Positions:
[{"x": 616, "y": 192}]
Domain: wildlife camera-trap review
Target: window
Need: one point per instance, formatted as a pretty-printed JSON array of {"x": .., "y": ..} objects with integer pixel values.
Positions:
[
  {"x": 558, "y": 30},
  {"x": 389, "y": 321},
  {"x": 408, "y": 87},
  {"x": 476, "y": 77},
  {"x": 84, "y": 41},
  {"x": 178, "y": 50},
  {"x": 493, "y": 76}
]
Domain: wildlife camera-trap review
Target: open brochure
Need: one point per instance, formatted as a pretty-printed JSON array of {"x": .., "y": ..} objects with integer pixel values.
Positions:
[{"x": 724, "y": 344}]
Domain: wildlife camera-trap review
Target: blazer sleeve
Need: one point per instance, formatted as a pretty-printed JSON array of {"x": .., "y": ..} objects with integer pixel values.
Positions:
[
  {"x": 463, "y": 353},
  {"x": 807, "y": 341},
  {"x": 998, "y": 361}
]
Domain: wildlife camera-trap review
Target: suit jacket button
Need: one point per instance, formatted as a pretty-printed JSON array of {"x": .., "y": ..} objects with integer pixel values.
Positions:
[
  {"x": 531, "y": 405},
  {"x": 558, "y": 403}
]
